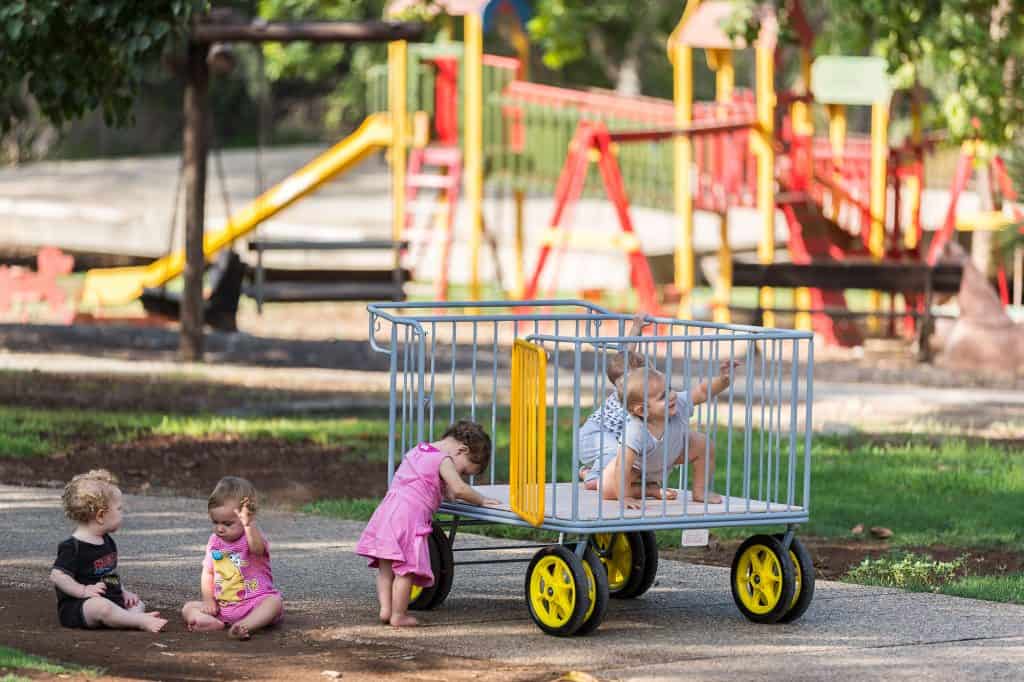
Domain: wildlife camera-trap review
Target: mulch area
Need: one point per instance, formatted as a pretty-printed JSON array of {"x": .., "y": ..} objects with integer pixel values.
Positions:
[
  {"x": 288, "y": 474},
  {"x": 833, "y": 558}
]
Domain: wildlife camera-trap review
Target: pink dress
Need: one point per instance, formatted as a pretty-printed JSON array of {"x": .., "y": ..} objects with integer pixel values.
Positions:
[{"x": 399, "y": 527}]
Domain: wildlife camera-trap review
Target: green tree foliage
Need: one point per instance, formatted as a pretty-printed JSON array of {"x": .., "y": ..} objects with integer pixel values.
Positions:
[
  {"x": 966, "y": 53},
  {"x": 75, "y": 56},
  {"x": 621, "y": 41},
  {"x": 335, "y": 71}
]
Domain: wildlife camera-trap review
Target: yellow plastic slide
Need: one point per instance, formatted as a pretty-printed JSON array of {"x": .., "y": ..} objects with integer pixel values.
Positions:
[{"x": 116, "y": 286}]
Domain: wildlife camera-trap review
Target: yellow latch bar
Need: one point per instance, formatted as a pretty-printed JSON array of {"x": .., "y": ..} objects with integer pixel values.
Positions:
[
  {"x": 987, "y": 221},
  {"x": 529, "y": 430}
]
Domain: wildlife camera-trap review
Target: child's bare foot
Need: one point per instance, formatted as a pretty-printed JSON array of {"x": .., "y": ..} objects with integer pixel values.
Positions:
[
  {"x": 152, "y": 622},
  {"x": 713, "y": 498},
  {"x": 403, "y": 621},
  {"x": 385, "y": 617},
  {"x": 591, "y": 484},
  {"x": 204, "y": 625},
  {"x": 239, "y": 631}
]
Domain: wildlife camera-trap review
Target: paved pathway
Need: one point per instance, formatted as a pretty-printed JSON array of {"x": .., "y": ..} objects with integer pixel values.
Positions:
[{"x": 686, "y": 627}]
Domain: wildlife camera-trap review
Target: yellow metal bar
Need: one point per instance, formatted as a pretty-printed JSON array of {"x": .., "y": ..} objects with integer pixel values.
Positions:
[
  {"x": 725, "y": 81},
  {"x": 803, "y": 124},
  {"x": 118, "y": 286},
  {"x": 765, "y": 87},
  {"x": 528, "y": 435},
  {"x": 397, "y": 76},
  {"x": 519, "y": 286},
  {"x": 590, "y": 241},
  {"x": 914, "y": 187},
  {"x": 879, "y": 195},
  {"x": 682, "y": 78},
  {"x": 473, "y": 143},
  {"x": 879, "y": 177}
]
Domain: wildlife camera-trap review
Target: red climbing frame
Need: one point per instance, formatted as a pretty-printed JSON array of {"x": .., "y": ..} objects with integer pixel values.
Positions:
[{"x": 594, "y": 135}]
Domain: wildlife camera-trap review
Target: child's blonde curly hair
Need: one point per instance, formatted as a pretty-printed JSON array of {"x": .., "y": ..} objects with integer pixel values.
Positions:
[{"x": 88, "y": 494}]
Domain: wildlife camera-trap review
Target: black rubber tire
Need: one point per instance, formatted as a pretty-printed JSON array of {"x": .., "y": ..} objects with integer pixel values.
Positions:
[
  {"x": 600, "y": 605},
  {"x": 581, "y": 603},
  {"x": 650, "y": 572},
  {"x": 442, "y": 564},
  {"x": 787, "y": 578},
  {"x": 804, "y": 566},
  {"x": 637, "y": 563}
]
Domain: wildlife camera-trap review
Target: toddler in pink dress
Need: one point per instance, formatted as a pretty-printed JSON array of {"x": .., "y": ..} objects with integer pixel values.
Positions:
[{"x": 395, "y": 539}]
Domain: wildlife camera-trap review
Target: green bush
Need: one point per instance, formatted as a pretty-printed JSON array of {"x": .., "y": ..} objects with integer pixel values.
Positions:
[{"x": 906, "y": 571}]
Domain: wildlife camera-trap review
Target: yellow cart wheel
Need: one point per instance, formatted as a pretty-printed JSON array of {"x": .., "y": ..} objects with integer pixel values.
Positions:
[
  {"x": 557, "y": 591},
  {"x": 442, "y": 563},
  {"x": 763, "y": 579},
  {"x": 803, "y": 592},
  {"x": 597, "y": 581},
  {"x": 625, "y": 559}
]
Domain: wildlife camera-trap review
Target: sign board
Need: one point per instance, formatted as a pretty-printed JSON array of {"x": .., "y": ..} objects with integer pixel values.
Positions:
[
  {"x": 696, "y": 537},
  {"x": 850, "y": 80}
]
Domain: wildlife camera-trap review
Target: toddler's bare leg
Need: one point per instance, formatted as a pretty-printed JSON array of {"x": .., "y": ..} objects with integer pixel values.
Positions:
[
  {"x": 260, "y": 617},
  {"x": 385, "y": 579},
  {"x": 99, "y": 610},
  {"x": 702, "y": 454},
  {"x": 400, "y": 602},
  {"x": 197, "y": 621}
]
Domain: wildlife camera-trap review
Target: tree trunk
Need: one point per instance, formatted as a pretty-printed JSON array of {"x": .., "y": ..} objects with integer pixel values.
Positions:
[
  {"x": 628, "y": 82},
  {"x": 195, "y": 146}
]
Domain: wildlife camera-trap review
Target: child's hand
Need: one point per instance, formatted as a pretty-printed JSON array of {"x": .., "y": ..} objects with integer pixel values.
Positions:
[
  {"x": 130, "y": 599},
  {"x": 210, "y": 607},
  {"x": 723, "y": 369},
  {"x": 639, "y": 322},
  {"x": 246, "y": 512},
  {"x": 491, "y": 502},
  {"x": 94, "y": 590}
]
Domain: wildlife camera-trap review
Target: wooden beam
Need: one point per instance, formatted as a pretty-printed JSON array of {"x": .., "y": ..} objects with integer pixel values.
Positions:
[
  {"x": 316, "y": 32},
  {"x": 882, "y": 276},
  {"x": 194, "y": 150}
]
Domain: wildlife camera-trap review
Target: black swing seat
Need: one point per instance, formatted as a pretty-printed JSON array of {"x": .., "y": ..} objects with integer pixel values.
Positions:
[{"x": 220, "y": 310}]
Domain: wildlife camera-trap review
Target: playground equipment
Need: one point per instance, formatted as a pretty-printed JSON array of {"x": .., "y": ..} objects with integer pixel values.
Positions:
[
  {"x": 122, "y": 285},
  {"x": 549, "y": 368},
  {"x": 20, "y": 287}
]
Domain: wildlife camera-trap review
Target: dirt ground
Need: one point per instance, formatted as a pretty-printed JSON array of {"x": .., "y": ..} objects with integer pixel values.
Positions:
[{"x": 300, "y": 651}]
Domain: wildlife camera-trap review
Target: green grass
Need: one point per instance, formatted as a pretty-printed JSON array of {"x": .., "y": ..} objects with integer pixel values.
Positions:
[
  {"x": 12, "y": 659},
  {"x": 921, "y": 573},
  {"x": 27, "y": 432},
  {"x": 1001, "y": 588}
]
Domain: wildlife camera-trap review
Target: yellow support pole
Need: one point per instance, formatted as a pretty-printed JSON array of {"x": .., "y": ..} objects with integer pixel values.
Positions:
[
  {"x": 725, "y": 80},
  {"x": 803, "y": 124},
  {"x": 879, "y": 195},
  {"x": 764, "y": 66},
  {"x": 682, "y": 80},
  {"x": 519, "y": 284},
  {"x": 916, "y": 137},
  {"x": 473, "y": 143},
  {"x": 397, "y": 75}
]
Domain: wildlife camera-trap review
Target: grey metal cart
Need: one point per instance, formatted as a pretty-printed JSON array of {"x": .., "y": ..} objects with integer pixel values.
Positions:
[{"x": 532, "y": 371}]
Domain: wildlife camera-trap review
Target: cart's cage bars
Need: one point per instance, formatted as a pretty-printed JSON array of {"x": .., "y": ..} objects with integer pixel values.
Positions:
[{"x": 426, "y": 343}]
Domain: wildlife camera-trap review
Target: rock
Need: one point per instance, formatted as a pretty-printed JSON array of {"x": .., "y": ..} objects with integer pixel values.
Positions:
[
  {"x": 881, "y": 532},
  {"x": 858, "y": 529}
]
